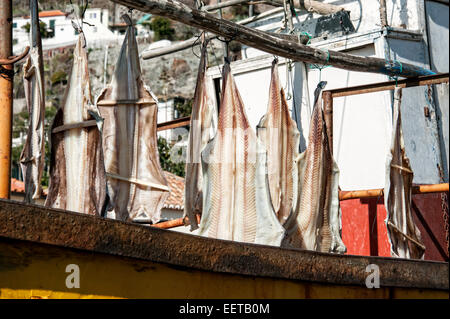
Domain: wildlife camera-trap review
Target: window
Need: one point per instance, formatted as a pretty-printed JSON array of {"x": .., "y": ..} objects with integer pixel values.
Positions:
[
  {"x": 14, "y": 25},
  {"x": 52, "y": 25}
]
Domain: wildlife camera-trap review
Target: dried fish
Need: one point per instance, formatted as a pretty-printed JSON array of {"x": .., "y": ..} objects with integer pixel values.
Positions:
[
  {"x": 315, "y": 221},
  {"x": 280, "y": 135},
  {"x": 236, "y": 202},
  {"x": 33, "y": 154},
  {"x": 202, "y": 129},
  {"x": 404, "y": 236},
  {"x": 137, "y": 187},
  {"x": 77, "y": 173}
]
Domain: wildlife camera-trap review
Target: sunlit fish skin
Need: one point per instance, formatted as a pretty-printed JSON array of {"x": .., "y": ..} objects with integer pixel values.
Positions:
[
  {"x": 33, "y": 154},
  {"x": 137, "y": 187},
  {"x": 236, "y": 200},
  {"x": 202, "y": 127},
  {"x": 280, "y": 135},
  {"x": 397, "y": 194},
  {"x": 315, "y": 222},
  {"x": 77, "y": 173}
]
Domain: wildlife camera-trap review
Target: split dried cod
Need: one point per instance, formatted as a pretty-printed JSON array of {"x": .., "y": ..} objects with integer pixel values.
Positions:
[
  {"x": 33, "y": 154},
  {"x": 236, "y": 203},
  {"x": 202, "y": 129},
  {"x": 77, "y": 173},
  {"x": 137, "y": 187},
  {"x": 404, "y": 236},
  {"x": 316, "y": 222},
  {"x": 280, "y": 135}
]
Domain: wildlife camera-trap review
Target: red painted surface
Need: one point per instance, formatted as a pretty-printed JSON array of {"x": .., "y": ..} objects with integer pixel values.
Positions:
[{"x": 364, "y": 230}]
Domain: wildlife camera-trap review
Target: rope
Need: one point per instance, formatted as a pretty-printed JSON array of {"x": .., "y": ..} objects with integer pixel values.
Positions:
[
  {"x": 308, "y": 35},
  {"x": 406, "y": 236},
  {"x": 392, "y": 66},
  {"x": 197, "y": 41}
]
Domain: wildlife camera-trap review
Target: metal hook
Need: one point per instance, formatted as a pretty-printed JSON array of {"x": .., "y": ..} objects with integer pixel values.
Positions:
[{"x": 15, "y": 58}]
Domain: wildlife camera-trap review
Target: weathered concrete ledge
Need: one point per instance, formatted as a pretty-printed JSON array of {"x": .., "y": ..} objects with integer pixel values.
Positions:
[{"x": 67, "y": 229}]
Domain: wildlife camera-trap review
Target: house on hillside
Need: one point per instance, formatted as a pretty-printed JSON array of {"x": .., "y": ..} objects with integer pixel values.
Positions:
[{"x": 60, "y": 30}]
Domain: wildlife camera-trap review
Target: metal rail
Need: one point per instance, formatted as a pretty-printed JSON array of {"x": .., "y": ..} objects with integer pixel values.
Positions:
[{"x": 329, "y": 95}]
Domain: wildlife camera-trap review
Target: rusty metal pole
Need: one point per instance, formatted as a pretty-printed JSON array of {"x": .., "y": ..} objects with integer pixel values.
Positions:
[
  {"x": 327, "y": 98},
  {"x": 6, "y": 90}
]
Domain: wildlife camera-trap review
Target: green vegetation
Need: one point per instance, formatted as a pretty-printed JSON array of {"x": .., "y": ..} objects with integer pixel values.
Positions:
[
  {"x": 20, "y": 125},
  {"x": 162, "y": 28},
  {"x": 165, "y": 152},
  {"x": 183, "y": 107},
  {"x": 42, "y": 27},
  {"x": 58, "y": 77}
]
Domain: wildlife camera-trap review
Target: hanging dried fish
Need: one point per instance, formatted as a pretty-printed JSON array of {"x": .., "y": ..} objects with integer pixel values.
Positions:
[
  {"x": 315, "y": 222},
  {"x": 280, "y": 135},
  {"x": 77, "y": 173},
  {"x": 136, "y": 184},
  {"x": 404, "y": 236},
  {"x": 202, "y": 127},
  {"x": 33, "y": 154},
  {"x": 236, "y": 197}
]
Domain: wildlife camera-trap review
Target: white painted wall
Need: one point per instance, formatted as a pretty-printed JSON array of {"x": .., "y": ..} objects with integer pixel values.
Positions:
[
  {"x": 361, "y": 126},
  {"x": 96, "y": 32},
  {"x": 165, "y": 114}
]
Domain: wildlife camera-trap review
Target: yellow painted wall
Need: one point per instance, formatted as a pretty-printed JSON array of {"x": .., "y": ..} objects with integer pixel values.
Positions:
[{"x": 38, "y": 271}]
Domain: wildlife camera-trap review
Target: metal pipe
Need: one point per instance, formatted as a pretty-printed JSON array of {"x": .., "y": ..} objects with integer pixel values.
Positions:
[
  {"x": 374, "y": 193},
  {"x": 6, "y": 92},
  {"x": 182, "y": 221},
  {"x": 383, "y": 86}
]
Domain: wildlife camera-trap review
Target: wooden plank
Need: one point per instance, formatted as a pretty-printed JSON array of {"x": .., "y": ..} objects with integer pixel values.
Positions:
[
  {"x": 138, "y": 182},
  {"x": 116, "y": 102},
  {"x": 174, "y": 124},
  {"x": 383, "y": 13},
  {"x": 175, "y": 10},
  {"x": 74, "y": 126}
]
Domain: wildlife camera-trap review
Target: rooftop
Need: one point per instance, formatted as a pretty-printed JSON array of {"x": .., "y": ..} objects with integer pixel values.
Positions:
[
  {"x": 176, "y": 197},
  {"x": 51, "y": 13}
]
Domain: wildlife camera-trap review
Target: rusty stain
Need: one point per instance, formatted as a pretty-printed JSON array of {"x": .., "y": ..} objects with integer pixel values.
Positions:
[{"x": 66, "y": 229}]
